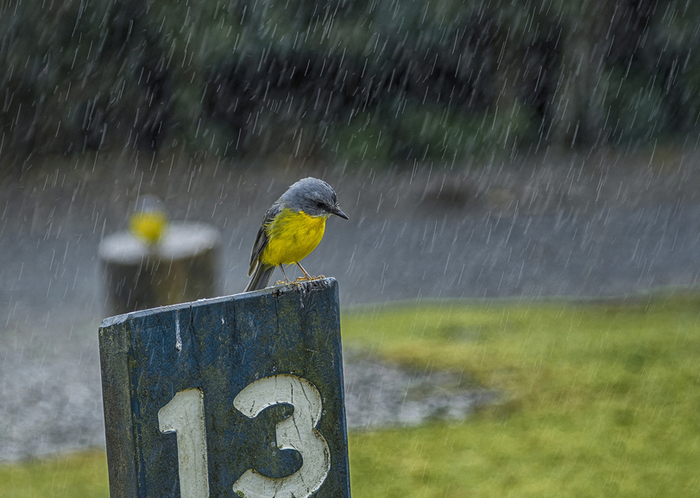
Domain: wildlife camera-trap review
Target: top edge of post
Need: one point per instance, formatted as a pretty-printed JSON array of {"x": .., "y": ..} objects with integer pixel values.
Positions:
[{"x": 292, "y": 287}]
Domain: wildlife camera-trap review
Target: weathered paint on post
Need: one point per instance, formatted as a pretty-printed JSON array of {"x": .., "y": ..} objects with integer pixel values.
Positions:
[{"x": 171, "y": 374}]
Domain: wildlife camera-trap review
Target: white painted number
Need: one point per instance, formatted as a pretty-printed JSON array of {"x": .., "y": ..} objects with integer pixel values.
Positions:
[
  {"x": 297, "y": 432},
  {"x": 184, "y": 415}
]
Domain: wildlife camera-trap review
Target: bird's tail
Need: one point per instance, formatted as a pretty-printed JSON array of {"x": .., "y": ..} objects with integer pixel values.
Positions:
[{"x": 261, "y": 277}]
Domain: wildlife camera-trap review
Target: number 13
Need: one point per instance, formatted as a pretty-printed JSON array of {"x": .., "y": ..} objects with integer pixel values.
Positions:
[{"x": 184, "y": 415}]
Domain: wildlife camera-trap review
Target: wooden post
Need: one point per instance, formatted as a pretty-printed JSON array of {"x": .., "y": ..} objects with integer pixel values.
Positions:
[
  {"x": 183, "y": 267},
  {"x": 233, "y": 396}
]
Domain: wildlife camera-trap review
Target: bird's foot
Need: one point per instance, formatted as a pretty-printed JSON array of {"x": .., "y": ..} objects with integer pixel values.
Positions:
[{"x": 309, "y": 278}]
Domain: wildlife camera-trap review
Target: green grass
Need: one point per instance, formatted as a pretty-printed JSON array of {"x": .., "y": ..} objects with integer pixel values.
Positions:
[
  {"x": 599, "y": 399},
  {"x": 80, "y": 475}
]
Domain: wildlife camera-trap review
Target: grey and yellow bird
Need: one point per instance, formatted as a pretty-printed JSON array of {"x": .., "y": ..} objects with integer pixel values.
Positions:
[{"x": 291, "y": 229}]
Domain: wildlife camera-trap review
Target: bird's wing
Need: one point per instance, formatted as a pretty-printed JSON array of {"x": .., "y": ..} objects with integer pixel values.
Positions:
[{"x": 261, "y": 238}]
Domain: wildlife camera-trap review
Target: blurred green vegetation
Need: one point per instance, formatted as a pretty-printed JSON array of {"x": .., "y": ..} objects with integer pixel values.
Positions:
[
  {"x": 78, "y": 475},
  {"x": 440, "y": 80},
  {"x": 599, "y": 399}
]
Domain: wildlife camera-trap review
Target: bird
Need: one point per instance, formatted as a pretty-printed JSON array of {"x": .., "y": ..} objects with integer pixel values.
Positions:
[
  {"x": 149, "y": 222},
  {"x": 291, "y": 230}
]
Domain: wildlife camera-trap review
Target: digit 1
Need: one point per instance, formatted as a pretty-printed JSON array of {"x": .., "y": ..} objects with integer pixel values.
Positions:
[{"x": 184, "y": 415}]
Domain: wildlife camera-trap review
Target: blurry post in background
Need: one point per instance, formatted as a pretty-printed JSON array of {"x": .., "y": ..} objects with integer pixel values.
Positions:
[
  {"x": 202, "y": 399},
  {"x": 158, "y": 263}
]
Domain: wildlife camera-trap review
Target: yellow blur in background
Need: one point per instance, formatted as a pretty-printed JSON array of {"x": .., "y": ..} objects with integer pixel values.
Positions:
[{"x": 149, "y": 222}]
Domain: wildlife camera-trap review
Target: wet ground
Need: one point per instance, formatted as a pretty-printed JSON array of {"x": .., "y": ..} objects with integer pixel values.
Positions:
[{"x": 578, "y": 226}]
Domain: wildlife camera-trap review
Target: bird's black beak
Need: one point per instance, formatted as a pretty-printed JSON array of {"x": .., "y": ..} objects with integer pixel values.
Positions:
[{"x": 336, "y": 211}]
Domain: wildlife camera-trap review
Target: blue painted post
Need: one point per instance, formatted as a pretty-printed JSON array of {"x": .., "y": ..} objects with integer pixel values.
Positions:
[{"x": 233, "y": 396}]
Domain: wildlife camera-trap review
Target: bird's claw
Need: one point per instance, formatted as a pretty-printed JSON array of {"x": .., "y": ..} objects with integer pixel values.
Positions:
[
  {"x": 309, "y": 278},
  {"x": 299, "y": 280}
]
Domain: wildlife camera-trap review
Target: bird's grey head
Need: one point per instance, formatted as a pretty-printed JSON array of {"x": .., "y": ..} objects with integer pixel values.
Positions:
[{"x": 313, "y": 196}]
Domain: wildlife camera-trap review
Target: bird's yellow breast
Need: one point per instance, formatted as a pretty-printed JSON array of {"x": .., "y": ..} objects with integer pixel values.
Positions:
[{"x": 292, "y": 236}]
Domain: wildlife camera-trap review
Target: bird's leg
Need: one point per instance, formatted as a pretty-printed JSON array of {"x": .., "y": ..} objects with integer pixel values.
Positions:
[
  {"x": 306, "y": 275},
  {"x": 286, "y": 280}
]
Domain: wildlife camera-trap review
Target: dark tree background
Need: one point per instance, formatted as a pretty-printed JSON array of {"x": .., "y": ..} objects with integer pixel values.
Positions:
[{"x": 364, "y": 80}]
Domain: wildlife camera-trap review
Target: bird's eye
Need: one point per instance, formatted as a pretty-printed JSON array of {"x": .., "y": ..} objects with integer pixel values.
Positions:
[{"x": 319, "y": 205}]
